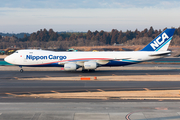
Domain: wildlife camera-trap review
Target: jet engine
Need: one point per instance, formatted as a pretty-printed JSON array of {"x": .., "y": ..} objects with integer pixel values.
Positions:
[
  {"x": 70, "y": 67},
  {"x": 90, "y": 65}
]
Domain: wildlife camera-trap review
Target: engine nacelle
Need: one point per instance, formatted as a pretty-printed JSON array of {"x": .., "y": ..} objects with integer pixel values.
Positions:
[
  {"x": 70, "y": 67},
  {"x": 90, "y": 65}
]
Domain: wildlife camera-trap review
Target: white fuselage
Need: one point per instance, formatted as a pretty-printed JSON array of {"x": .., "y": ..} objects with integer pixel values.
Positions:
[{"x": 51, "y": 58}]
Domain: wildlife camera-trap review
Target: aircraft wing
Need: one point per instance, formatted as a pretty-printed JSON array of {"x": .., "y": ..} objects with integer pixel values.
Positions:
[{"x": 100, "y": 61}]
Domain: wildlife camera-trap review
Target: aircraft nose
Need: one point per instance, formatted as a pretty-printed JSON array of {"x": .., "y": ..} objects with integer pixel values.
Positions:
[{"x": 7, "y": 59}]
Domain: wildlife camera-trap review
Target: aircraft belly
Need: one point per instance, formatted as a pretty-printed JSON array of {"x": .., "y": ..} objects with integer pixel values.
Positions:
[{"x": 118, "y": 63}]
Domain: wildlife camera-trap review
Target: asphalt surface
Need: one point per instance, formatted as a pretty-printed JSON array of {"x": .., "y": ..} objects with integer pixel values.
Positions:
[
  {"x": 37, "y": 87},
  {"x": 25, "y": 87},
  {"x": 12, "y": 108},
  {"x": 56, "y": 72},
  {"x": 175, "y": 59},
  {"x": 9, "y": 83},
  {"x": 91, "y": 111}
]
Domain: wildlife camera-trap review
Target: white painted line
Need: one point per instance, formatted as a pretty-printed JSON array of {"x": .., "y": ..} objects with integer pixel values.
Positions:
[{"x": 178, "y": 113}]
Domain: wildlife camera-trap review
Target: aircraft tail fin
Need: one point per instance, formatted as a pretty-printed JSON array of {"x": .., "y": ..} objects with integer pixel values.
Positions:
[{"x": 161, "y": 42}]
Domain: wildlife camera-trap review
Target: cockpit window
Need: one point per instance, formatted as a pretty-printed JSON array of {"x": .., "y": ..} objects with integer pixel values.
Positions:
[{"x": 16, "y": 52}]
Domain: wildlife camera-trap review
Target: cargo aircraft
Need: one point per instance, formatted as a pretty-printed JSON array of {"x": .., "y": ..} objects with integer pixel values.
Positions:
[{"x": 89, "y": 61}]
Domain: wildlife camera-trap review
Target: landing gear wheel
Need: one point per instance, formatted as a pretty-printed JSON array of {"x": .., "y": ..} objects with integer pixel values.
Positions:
[
  {"x": 21, "y": 71},
  {"x": 92, "y": 70},
  {"x": 84, "y": 70}
]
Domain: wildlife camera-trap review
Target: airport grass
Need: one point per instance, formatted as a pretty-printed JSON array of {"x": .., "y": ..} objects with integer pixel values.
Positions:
[
  {"x": 121, "y": 95},
  {"x": 112, "y": 78}
]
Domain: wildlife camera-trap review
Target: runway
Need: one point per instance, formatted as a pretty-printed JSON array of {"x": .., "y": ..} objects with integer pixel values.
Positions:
[
  {"x": 26, "y": 87},
  {"x": 9, "y": 83},
  {"x": 85, "y": 109}
]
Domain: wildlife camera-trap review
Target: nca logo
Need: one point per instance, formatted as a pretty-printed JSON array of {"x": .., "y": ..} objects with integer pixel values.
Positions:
[{"x": 160, "y": 40}]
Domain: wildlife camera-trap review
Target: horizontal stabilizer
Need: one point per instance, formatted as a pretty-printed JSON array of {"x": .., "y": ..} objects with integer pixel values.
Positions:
[{"x": 160, "y": 53}]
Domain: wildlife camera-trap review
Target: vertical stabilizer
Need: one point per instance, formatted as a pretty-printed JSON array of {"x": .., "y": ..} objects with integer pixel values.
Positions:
[{"x": 161, "y": 42}]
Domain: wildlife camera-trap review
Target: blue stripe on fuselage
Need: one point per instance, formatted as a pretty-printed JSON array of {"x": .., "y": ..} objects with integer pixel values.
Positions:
[{"x": 121, "y": 63}]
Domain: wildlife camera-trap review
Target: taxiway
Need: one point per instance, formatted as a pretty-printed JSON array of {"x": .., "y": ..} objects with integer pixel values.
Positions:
[{"x": 12, "y": 108}]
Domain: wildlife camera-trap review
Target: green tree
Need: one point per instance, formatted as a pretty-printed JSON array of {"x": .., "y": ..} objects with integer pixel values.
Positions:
[
  {"x": 124, "y": 39},
  {"x": 129, "y": 35},
  {"x": 114, "y": 37},
  {"x": 25, "y": 38},
  {"x": 145, "y": 33},
  {"x": 97, "y": 37},
  {"x": 73, "y": 37},
  {"x": 108, "y": 39},
  {"x": 80, "y": 35},
  {"x": 150, "y": 32},
  {"x": 46, "y": 35},
  {"x": 95, "y": 32},
  {"x": 120, "y": 37},
  {"x": 60, "y": 38},
  {"x": 137, "y": 34},
  {"x": 53, "y": 37},
  {"x": 33, "y": 37},
  {"x": 51, "y": 32},
  {"x": 89, "y": 35}
]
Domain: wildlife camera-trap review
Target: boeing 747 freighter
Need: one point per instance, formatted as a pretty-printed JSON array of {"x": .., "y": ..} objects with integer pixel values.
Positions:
[{"x": 89, "y": 61}]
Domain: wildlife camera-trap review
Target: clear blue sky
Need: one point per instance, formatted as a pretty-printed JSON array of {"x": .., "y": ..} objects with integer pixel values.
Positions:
[{"x": 83, "y": 15}]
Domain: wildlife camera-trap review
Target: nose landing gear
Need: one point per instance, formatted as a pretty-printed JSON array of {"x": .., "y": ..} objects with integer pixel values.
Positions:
[{"x": 21, "y": 70}]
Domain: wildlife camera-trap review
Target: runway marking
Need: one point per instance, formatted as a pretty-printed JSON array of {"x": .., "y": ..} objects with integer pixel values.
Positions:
[
  {"x": 9, "y": 93},
  {"x": 85, "y": 78},
  {"x": 54, "y": 91},
  {"x": 100, "y": 90},
  {"x": 161, "y": 108},
  {"x": 128, "y": 115},
  {"x": 152, "y": 94},
  {"x": 16, "y": 78},
  {"x": 113, "y": 78},
  {"x": 147, "y": 89},
  {"x": 36, "y": 116}
]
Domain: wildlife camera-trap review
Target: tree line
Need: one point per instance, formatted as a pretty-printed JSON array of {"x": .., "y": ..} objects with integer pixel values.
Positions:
[{"x": 48, "y": 39}]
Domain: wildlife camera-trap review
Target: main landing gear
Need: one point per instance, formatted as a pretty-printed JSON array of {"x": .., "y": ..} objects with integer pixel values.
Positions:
[
  {"x": 21, "y": 70},
  {"x": 86, "y": 70}
]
